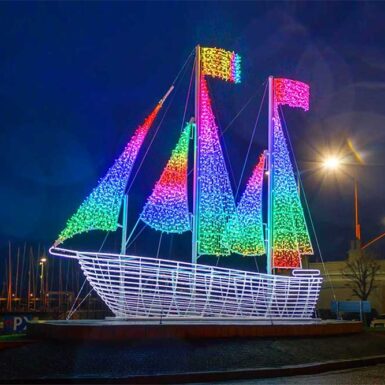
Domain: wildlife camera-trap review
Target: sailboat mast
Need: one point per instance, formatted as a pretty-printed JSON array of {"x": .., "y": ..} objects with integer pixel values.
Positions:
[
  {"x": 195, "y": 222},
  {"x": 124, "y": 225},
  {"x": 270, "y": 165}
]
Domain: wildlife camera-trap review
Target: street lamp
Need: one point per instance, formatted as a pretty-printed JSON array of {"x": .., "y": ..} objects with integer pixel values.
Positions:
[
  {"x": 334, "y": 163},
  {"x": 43, "y": 260}
]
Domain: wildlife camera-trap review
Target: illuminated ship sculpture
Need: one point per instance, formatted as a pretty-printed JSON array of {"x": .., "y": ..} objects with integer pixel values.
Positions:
[{"x": 137, "y": 287}]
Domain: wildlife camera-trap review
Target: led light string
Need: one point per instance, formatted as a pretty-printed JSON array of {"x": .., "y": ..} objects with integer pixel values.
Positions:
[
  {"x": 291, "y": 93},
  {"x": 244, "y": 231},
  {"x": 222, "y": 64},
  {"x": 101, "y": 208},
  {"x": 290, "y": 234},
  {"x": 216, "y": 197},
  {"x": 166, "y": 209}
]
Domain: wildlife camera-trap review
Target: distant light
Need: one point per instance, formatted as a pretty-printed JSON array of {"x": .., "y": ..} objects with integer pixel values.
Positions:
[
  {"x": 44, "y": 259},
  {"x": 267, "y": 172},
  {"x": 356, "y": 154},
  {"x": 332, "y": 163}
]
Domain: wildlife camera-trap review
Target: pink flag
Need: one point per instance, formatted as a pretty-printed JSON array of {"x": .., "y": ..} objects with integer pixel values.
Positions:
[{"x": 291, "y": 93}]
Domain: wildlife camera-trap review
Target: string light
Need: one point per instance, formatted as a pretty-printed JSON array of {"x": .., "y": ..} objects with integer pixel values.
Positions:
[
  {"x": 222, "y": 64},
  {"x": 100, "y": 210},
  {"x": 167, "y": 207},
  {"x": 215, "y": 194},
  {"x": 244, "y": 231},
  {"x": 290, "y": 234},
  {"x": 291, "y": 93}
]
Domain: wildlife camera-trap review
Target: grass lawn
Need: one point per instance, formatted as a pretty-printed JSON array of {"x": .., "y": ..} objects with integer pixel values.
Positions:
[{"x": 11, "y": 337}]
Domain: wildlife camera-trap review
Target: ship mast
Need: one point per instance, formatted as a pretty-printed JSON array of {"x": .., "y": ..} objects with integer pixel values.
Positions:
[
  {"x": 270, "y": 165},
  {"x": 195, "y": 221}
]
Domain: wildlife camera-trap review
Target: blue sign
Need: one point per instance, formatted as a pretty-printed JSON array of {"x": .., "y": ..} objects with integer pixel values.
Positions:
[
  {"x": 351, "y": 306},
  {"x": 16, "y": 323}
]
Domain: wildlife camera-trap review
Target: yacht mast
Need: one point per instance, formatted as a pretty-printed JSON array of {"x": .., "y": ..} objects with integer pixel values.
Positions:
[
  {"x": 270, "y": 165},
  {"x": 195, "y": 221}
]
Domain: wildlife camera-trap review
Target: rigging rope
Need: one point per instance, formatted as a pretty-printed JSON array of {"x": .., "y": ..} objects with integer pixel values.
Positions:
[
  {"x": 251, "y": 141},
  {"x": 153, "y": 138},
  {"x": 187, "y": 97},
  {"x": 137, "y": 235},
  {"x": 183, "y": 66},
  {"x": 157, "y": 128},
  {"x": 220, "y": 134},
  {"x": 72, "y": 310},
  {"x": 244, "y": 107},
  {"x": 307, "y": 204},
  {"x": 160, "y": 241}
]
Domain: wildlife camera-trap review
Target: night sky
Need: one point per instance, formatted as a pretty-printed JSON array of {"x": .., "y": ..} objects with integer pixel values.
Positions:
[{"x": 76, "y": 79}]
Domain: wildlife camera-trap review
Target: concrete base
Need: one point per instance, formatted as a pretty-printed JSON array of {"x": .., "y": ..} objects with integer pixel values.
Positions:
[{"x": 125, "y": 330}]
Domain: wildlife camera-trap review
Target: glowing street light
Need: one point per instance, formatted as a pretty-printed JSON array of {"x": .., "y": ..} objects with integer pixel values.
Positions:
[
  {"x": 43, "y": 261},
  {"x": 332, "y": 163}
]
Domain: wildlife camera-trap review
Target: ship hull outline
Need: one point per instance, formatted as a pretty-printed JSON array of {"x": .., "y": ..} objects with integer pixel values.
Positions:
[{"x": 141, "y": 287}]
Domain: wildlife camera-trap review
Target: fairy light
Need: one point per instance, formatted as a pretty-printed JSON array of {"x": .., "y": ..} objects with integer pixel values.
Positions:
[
  {"x": 290, "y": 234},
  {"x": 222, "y": 64},
  {"x": 167, "y": 207},
  {"x": 100, "y": 210},
  {"x": 215, "y": 194},
  {"x": 244, "y": 231},
  {"x": 291, "y": 93}
]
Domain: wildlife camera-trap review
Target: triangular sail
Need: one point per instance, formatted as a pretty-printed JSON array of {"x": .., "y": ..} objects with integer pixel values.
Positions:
[
  {"x": 167, "y": 207},
  {"x": 216, "y": 200},
  {"x": 244, "y": 231},
  {"x": 100, "y": 210},
  {"x": 290, "y": 234}
]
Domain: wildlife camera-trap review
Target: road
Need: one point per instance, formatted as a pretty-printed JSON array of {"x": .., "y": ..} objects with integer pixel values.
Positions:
[{"x": 372, "y": 375}]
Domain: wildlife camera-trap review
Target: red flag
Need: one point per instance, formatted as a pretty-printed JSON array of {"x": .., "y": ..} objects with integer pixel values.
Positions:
[{"x": 291, "y": 93}]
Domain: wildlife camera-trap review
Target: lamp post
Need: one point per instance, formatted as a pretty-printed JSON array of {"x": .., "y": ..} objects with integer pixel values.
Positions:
[
  {"x": 333, "y": 163},
  {"x": 43, "y": 260}
]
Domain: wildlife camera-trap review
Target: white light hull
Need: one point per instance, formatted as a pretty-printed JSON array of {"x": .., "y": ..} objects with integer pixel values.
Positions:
[{"x": 137, "y": 287}]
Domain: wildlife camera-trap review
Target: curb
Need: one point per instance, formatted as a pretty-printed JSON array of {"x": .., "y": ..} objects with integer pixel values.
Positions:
[{"x": 244, "y": 374}]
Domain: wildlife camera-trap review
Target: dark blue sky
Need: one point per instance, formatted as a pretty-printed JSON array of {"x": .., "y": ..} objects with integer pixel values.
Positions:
[{"x": 76, "y": 78}]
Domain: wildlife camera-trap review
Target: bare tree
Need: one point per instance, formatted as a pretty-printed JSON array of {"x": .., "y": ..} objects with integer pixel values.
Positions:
[{"x": 361, "y": 272}]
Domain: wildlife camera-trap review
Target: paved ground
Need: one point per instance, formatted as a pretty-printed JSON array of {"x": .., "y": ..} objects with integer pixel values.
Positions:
[
  {"x": 115, "y": 321},
  {"x": 373, "y": 375},
  {"x": 61, "y": 360}
]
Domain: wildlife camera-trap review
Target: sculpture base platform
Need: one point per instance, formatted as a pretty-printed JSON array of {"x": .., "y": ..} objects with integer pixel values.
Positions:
[{"x": 113, "y": 329}]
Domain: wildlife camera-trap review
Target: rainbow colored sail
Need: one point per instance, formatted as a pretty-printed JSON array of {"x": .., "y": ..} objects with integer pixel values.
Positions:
[
  {"x": 100, "y": 210},
  {"x": 215, "y": 194},
  {"x": 244, "y": 231},
  {"x": 290, "y": 234},
  {"x": 166, "y": 209}
]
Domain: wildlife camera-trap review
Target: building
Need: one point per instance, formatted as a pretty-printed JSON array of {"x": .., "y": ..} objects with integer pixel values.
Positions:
[{"x": 336, "y": 286}]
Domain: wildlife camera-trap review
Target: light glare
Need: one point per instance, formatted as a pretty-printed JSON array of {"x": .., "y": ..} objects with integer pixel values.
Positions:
[{"x": 332, "y": 163}]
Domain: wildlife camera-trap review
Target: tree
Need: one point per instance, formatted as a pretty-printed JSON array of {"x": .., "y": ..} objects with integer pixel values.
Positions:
[{"x": 361, "y": 272}]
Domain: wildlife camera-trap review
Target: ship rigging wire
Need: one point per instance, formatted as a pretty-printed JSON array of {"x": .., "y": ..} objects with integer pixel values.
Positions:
[
  {"x": 251, "y": 140},
  {"x": 73, "y": 309},
  {"x": 306, "y": 202},
  {"x": 156, "y": 131}
]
